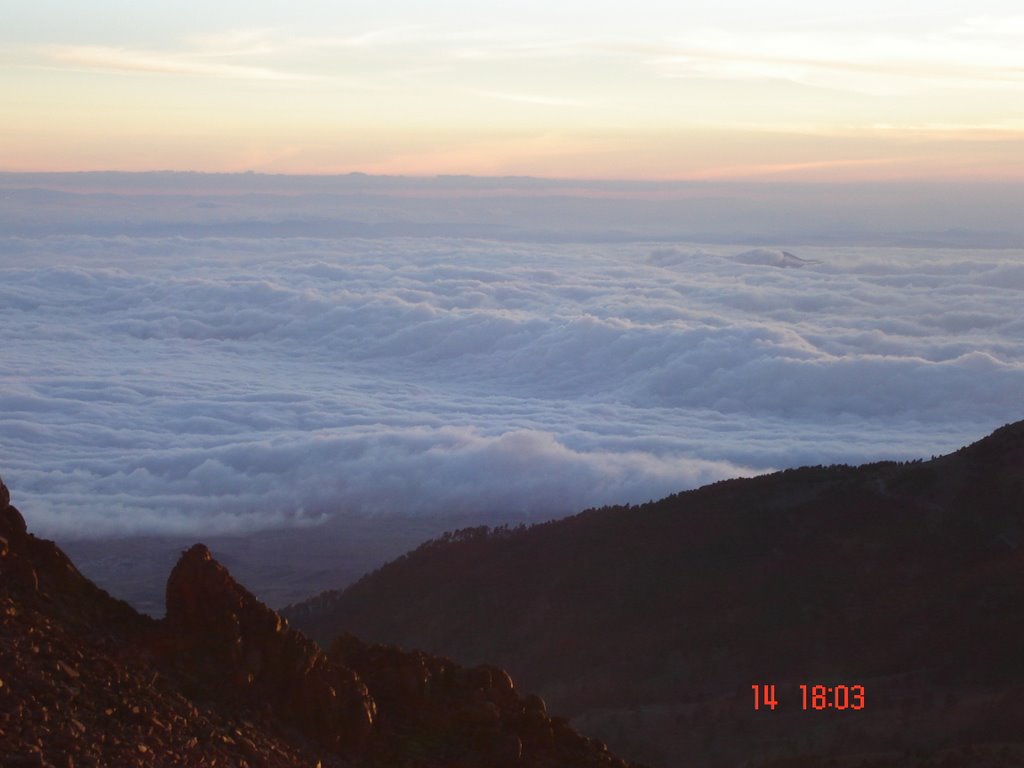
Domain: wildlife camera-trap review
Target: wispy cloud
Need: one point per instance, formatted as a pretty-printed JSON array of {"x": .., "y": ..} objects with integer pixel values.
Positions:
[
  {"x": 508, "y": 48},
  {"x": 875, "y": 62},
  {"x": 864, "y": 74},
  {"x": 531, "y": 98},
  {"x": 249, "y": 41},
  {"x": 979, "y": 51},
  {"x": 990, "y": 27},
  {"x": 383, "y": 37},
  {"x": 124, "y": 60},
  {"x": 797, "y": 168}
]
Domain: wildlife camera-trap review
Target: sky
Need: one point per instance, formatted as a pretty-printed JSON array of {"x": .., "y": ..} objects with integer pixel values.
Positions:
[
  {"x": 200, "y": 363},
  {"x": 783, "y": 90}
]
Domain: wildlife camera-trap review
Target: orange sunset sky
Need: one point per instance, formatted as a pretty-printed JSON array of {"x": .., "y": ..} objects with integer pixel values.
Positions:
[{"x": 792, "y": 89}]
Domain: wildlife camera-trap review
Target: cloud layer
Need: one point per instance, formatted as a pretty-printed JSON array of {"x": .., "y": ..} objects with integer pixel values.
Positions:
[{"x": 214, "y": 385}]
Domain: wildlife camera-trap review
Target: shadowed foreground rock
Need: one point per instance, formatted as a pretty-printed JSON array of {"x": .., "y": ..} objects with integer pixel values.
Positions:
[
  {"x": 224, "y": 640},
  {"x": 461, "y": 716},
  {"x": 223, "y": 680}
]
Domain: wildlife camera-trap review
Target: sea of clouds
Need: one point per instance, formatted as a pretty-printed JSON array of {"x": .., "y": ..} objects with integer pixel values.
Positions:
[{"x": 218, "y": 385}]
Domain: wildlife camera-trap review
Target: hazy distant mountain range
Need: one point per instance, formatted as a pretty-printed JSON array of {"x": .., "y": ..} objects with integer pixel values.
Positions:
[
  {"x": 650, "y": 624},
  {"x": 158, "y": 204}
]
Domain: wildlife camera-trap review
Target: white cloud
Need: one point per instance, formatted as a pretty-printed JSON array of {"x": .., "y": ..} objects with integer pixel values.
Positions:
[
  {"x": 530, "y": 98},
  {"x": 176, "y": 385},
  {"x": 859, "y": 57},
  {"x": 124, "y": 60}
]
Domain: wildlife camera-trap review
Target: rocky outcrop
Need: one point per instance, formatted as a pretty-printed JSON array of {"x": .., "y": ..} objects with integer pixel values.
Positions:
[
  {"x": 16, "y": 570},
  {"x": 453, "y": 715},
  {"x": 30, "y": 566},
  {"x": 217, "y": 628}
]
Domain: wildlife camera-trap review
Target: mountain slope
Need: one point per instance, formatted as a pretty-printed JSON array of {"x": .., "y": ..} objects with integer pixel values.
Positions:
[
  {"x": 223, "y": 680},
  {"x": 650, "y": 624}
]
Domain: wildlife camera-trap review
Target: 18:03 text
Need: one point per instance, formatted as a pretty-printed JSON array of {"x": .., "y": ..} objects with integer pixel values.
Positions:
[{"x": 814, "y": 697}]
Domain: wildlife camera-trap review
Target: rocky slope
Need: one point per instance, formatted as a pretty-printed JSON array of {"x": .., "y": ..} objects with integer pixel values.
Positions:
[
  {"x": 224, "y": 681},
  {"x": 650, "y": 624}
]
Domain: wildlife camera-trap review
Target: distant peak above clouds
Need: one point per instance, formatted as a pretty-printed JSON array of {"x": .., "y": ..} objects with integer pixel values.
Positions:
[{"x": 773, "y": 258}]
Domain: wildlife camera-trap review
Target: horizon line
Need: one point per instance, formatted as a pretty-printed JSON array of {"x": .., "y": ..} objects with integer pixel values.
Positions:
[{"x": 355, "y": 174}]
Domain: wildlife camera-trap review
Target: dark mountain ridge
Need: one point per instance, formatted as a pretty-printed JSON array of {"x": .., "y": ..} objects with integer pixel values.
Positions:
[
  {"x": 649, "y": 624},
  {"x": 224, "y": 681}
]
